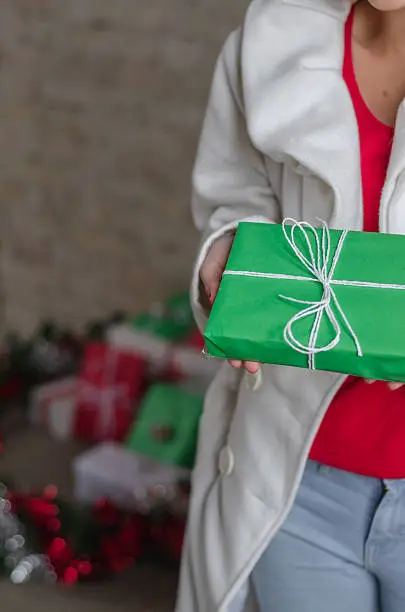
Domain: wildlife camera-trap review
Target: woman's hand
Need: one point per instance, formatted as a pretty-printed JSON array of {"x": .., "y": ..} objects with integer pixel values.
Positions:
[
  {"x": 391, "y": 385},
  {"x": 211, "y": 274}
]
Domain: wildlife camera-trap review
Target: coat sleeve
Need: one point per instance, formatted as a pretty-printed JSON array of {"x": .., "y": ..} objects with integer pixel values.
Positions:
[{"x": 230, "y": 182}]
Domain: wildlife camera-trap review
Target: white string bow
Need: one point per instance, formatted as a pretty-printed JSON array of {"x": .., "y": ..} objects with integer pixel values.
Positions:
[{"x": 319, "y": 265}]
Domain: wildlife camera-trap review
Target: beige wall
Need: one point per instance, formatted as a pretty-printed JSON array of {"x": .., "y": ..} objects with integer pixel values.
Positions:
[{"x": 100, "y": 106}]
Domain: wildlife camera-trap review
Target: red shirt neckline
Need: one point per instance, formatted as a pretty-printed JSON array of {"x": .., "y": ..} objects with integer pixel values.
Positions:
[
  {"x": 364, "y": 427},
  {"x": 362, "y": 109}
]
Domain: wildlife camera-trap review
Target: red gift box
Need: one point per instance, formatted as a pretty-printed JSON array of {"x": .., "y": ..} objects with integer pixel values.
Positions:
[
  {"x": 104, "y": 366},
  {"x": 112, "y": 383},
  {"x": 75, "y": 408},
  {"x": 196, "y": 340},
  {"x": 186, "y": 363},
  {"x": 103, "y": 413}
]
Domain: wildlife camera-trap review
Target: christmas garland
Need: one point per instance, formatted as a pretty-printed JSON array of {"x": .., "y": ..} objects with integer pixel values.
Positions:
[{"x": 43, "y": 537}]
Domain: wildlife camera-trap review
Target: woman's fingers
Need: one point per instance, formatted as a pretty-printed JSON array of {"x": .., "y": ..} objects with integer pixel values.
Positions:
[
  {"x": 211, "y": 275},
  {"x": 250, "y": 366},
  {"x": 214, "y": 265},
  {"x": 211, "y": 286},
  {"x": 395, "y": 385},
  {"x": 253, "y": 367}
]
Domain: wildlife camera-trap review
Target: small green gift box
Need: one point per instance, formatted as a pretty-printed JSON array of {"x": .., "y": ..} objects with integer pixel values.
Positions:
[
  {"x": 171, "y": 320},
  {"x": 311, "y": 297},
  {"x": 167, "y": 426}
]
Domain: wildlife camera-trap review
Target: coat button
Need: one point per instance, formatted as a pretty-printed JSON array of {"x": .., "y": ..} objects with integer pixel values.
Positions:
[
  {"x": 226, "y": 461},
  {"x": 254, "y": 381}
]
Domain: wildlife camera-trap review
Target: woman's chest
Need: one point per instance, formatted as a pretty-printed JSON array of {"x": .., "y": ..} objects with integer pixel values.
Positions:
[{"x": 381, "y": 82}]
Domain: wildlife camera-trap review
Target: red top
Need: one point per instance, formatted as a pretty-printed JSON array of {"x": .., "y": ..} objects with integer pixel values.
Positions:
[{"x": 364, "y": 428}]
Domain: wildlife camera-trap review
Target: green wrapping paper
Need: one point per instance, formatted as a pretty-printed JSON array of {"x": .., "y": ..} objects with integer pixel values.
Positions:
[
  {"x": 251, "y": 313},
  {"x": 172, "y": 320},
  {"x": 167, "y": 426}
]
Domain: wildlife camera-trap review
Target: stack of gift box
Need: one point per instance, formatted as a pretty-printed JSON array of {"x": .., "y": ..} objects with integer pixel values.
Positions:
[
  {"x": 137, "y": 400},
  {"x": 167, "y": 339},
  {"x": 315, "y": 298}
]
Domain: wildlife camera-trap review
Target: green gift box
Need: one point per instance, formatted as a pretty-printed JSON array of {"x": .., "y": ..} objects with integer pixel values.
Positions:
[
  {"x": 167, "y": 426},
  {"x": 171, "y": 320},
  {"x": 311, "y": 297}
]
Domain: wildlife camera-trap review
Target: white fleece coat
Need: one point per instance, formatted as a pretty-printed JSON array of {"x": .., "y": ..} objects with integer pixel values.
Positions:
[{"x": 280, "y": 139}]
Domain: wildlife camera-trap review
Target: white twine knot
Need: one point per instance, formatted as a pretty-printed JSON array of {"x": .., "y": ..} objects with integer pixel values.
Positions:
[{"x": 322, "y": 269}]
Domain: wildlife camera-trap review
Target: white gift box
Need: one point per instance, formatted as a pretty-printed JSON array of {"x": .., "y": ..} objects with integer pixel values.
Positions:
[
  {"x": 126, "y": 478},
  {"x": 54, "y": 405},
  {"x": 127, "y": 337}
]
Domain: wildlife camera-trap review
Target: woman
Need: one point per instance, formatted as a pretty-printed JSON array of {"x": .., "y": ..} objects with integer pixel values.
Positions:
[{"x": 299, "y": 488}]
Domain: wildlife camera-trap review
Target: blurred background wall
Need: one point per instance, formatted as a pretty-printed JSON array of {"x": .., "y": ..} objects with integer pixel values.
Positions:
[{"x": 101, "y": 102}]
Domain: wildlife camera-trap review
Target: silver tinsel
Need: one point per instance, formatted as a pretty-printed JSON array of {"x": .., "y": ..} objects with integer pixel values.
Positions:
[
  {"x": 170, "y": 497},
  {"x": 50, "y": 358},
  {"x": 21, "y": 565}
]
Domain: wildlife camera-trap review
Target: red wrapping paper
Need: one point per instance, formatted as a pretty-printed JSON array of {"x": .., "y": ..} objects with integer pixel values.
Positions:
[{"x": 112, "y": 383}]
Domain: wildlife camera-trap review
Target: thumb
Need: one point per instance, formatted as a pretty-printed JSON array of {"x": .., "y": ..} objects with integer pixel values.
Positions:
[
  {"x": 213, "y": 289},
  {"x": 211, "y": 284}
]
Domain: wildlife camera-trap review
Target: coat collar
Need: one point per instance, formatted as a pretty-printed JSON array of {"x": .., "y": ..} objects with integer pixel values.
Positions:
[
  {"x": 337, "y": 9},
  {"x": 298, "y": 109}
]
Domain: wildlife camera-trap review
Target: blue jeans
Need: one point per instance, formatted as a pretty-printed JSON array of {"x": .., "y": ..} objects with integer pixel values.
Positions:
[{"x": 342, "y": 548}]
